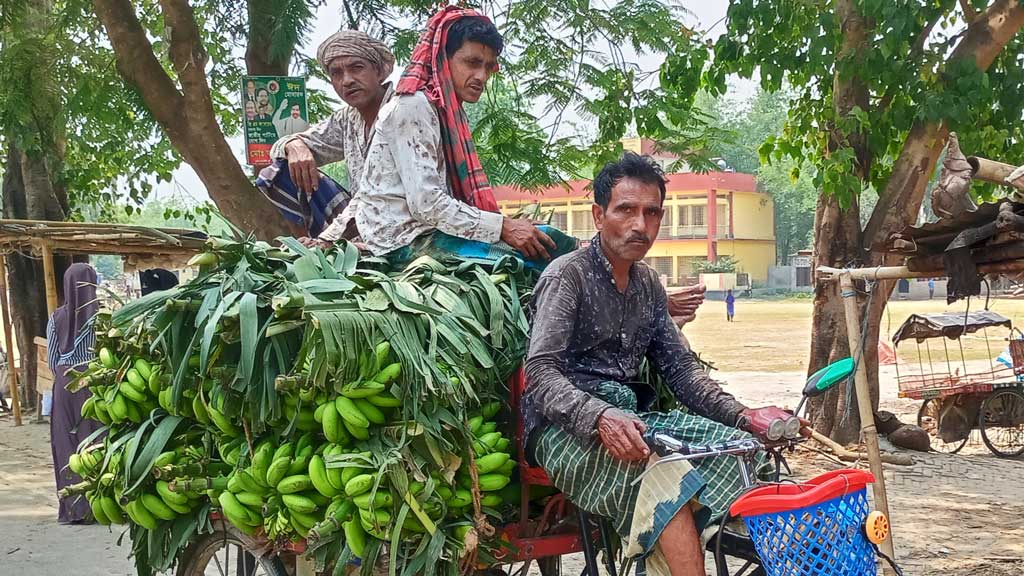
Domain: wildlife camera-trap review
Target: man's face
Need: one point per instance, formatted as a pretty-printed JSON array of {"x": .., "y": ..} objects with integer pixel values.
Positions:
[
  {"x": 250, "y": 87},
  {"x": 630, "y": 223},
  {"x": 250, "y": 110},
  {"x": 295, "y": 111},
  {"x": 263, "y": 97},
  {"x": 472, "y": 65},
  {"x": 358, "y": 82}
]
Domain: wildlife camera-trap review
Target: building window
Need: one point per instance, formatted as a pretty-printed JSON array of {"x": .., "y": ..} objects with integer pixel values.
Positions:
[
  {"x": 691, "y": 221},
  {"x": 583, "y": 225},
  {"x": 560, "y": 219},
  {"x": 663, "y": 266},
  {"x": 722, "y": 225}
]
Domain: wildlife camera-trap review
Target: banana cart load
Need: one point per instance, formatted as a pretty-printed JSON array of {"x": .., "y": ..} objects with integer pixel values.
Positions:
[{"x": 292, "y": 401}]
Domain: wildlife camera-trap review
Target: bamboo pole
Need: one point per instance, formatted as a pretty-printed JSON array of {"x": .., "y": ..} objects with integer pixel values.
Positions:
[
  {"x": 990, "y": 170},
  {"x": 867, "y": 416},
  {"x": 12, "y": 371},
  {"x": 897, "y": 272},
  {"x": 50, "y": 277}
]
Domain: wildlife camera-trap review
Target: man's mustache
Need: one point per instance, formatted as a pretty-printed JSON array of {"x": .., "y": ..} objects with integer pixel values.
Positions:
[{"x": 639, "y": 238}]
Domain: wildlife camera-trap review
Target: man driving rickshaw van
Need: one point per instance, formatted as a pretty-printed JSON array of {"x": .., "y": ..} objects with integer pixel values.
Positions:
[{"x": 597, "y": 313}]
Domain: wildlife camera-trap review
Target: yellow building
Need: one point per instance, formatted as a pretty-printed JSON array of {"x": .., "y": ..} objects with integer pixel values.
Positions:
[{"x": 706, "y": 216}]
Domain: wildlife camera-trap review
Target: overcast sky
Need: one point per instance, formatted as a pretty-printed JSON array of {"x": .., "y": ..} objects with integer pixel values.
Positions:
[{"x": 706, "y": 14}]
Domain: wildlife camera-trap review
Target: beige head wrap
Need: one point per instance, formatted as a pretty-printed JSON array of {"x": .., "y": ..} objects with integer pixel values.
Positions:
[{"x": 358, "y": 44}]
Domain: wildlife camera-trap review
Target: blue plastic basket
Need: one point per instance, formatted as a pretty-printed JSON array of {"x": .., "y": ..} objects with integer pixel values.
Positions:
[{"x": 824, "y": 538}]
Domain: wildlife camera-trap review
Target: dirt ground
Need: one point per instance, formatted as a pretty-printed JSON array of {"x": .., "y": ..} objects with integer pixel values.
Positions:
[{"x": 953, "y": 515}]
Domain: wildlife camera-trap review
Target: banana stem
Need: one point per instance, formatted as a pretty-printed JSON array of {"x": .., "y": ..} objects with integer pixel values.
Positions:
[
  {"x": 80, "y": 488},
  {"x": 171, "y": 471},
  {"x": 175, "y": 305},
  {"x": 198, "y": 484},
  {"x": 324, "y": 529},
  {"x": 288, "y": 383}
]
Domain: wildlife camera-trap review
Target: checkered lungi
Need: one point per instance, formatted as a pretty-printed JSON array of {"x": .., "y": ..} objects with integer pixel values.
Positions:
[{"x": 600, "y": 484}]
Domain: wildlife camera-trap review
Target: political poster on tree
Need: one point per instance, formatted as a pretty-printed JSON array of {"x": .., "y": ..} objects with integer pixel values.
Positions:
[{"x": 272, "y": 107}]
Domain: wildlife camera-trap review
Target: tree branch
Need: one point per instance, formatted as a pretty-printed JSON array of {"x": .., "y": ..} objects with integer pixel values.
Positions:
[
  {"x": 848, "y": 88},
  {"x": 187, "y": 53},
  {"x": 915, "y": 51},
  {"x": 969, "y": 12},
  {"x": 136, "y": 61},
  {"x": 899, "y": 204}
]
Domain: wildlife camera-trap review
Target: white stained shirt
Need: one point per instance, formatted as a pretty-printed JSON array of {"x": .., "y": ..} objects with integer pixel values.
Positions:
[
  {"x": 404, "y": 191},
  {"x": 342, "y": 136}
]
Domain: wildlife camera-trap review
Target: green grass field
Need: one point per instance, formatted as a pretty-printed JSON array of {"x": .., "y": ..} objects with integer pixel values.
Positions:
[{"x": 775, "y": 335}]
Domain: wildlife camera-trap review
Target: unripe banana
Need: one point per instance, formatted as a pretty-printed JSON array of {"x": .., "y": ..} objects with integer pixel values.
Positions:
[
  {"x": 156, "y": 507},
  {"x": 318, "y": 475},
  {"x": 371, "y": 412},
  {"x": 293, "y": 484},
  {"x": 350, "y": 413},
  {"x": 278, "y": 469}
]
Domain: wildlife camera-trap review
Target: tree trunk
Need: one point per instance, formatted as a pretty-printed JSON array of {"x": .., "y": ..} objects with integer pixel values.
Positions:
[
  {"x": 898, "y": 206},
  {"x": 186, "y": 112},
  {"x": 31, "y": 191},
  {"x": 837, "y": 236}
]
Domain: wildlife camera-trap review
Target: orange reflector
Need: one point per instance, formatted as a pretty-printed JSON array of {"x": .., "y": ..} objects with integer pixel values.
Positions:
[{"x": 876, "y": 526}]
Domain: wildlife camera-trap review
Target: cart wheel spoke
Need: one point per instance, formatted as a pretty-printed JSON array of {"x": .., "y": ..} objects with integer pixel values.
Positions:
[{"x": 1002, "y": 423}]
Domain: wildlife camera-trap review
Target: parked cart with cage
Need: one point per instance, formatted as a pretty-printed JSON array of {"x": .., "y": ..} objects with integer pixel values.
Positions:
[{"x": 961, "y": 396}]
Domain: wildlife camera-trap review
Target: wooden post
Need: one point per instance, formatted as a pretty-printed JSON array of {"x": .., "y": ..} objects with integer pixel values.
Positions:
[
  {"x": 50, "y": 278},
  {"x": 12, "y": 371},
  {"x": 867, "y": 416}
]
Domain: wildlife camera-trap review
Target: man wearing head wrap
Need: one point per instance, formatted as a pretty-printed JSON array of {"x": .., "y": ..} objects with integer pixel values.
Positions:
[
  {"x": 358, "y": 66},
  {"x": 422, "y": 172}
]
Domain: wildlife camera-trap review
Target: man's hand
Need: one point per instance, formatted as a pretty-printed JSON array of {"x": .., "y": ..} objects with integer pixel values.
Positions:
[
  {"x": 522, "y": 235},
  {"x": 622, "y": 435},
  {"x": 683, "y": 303},
  {"x": 302, "y": 166},
  {"x": 314, "y": 242}
]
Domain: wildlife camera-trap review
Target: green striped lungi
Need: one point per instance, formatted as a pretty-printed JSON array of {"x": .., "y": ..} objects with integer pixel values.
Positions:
[{"x": 600, "y": 484}]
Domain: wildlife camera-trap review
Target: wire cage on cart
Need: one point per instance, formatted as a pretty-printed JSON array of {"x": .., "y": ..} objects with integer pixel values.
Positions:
[{"x": 960, "y": 395}]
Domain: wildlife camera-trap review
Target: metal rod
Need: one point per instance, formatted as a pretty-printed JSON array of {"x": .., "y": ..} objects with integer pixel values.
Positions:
[
  {"x": 586, "y": 538},
  {"x": 931, "y": 364},
  {"x": 949, "y": 365},
  {"x": 988, "y": 350},
  {"x": 867, "y": 416},
  {"x": 963, "y": 359},
  {"x": 920, "y": 361},
  {"x": 12, "y": 371}
]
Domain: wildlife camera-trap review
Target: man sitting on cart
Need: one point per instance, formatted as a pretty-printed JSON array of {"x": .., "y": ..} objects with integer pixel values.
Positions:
[
  {"x": 596, "y": 314},
  {"x": 422, "y": 172}
]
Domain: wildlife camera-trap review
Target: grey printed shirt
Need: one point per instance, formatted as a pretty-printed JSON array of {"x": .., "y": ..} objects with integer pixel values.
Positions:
[{"x": 586, "y": 332}]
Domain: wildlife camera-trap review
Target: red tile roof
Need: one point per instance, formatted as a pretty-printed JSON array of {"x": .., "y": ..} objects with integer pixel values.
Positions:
[{"x": 722, "y": 181}]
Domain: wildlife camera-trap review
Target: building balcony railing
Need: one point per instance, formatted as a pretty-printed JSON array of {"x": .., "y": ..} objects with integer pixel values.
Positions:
[{"x": 666, "y": 233}]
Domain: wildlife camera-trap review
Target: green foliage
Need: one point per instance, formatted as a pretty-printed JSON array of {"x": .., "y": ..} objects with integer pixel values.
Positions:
[
  {"x": 569, "y": 56},
  {"x": 63, "y": 98},
  {"x": 723, "y": 265},
  {"x": 904, "y": 67}
]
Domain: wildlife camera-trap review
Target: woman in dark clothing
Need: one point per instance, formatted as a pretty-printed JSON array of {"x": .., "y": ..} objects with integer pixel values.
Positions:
[{"x": 70, "y": 340}]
